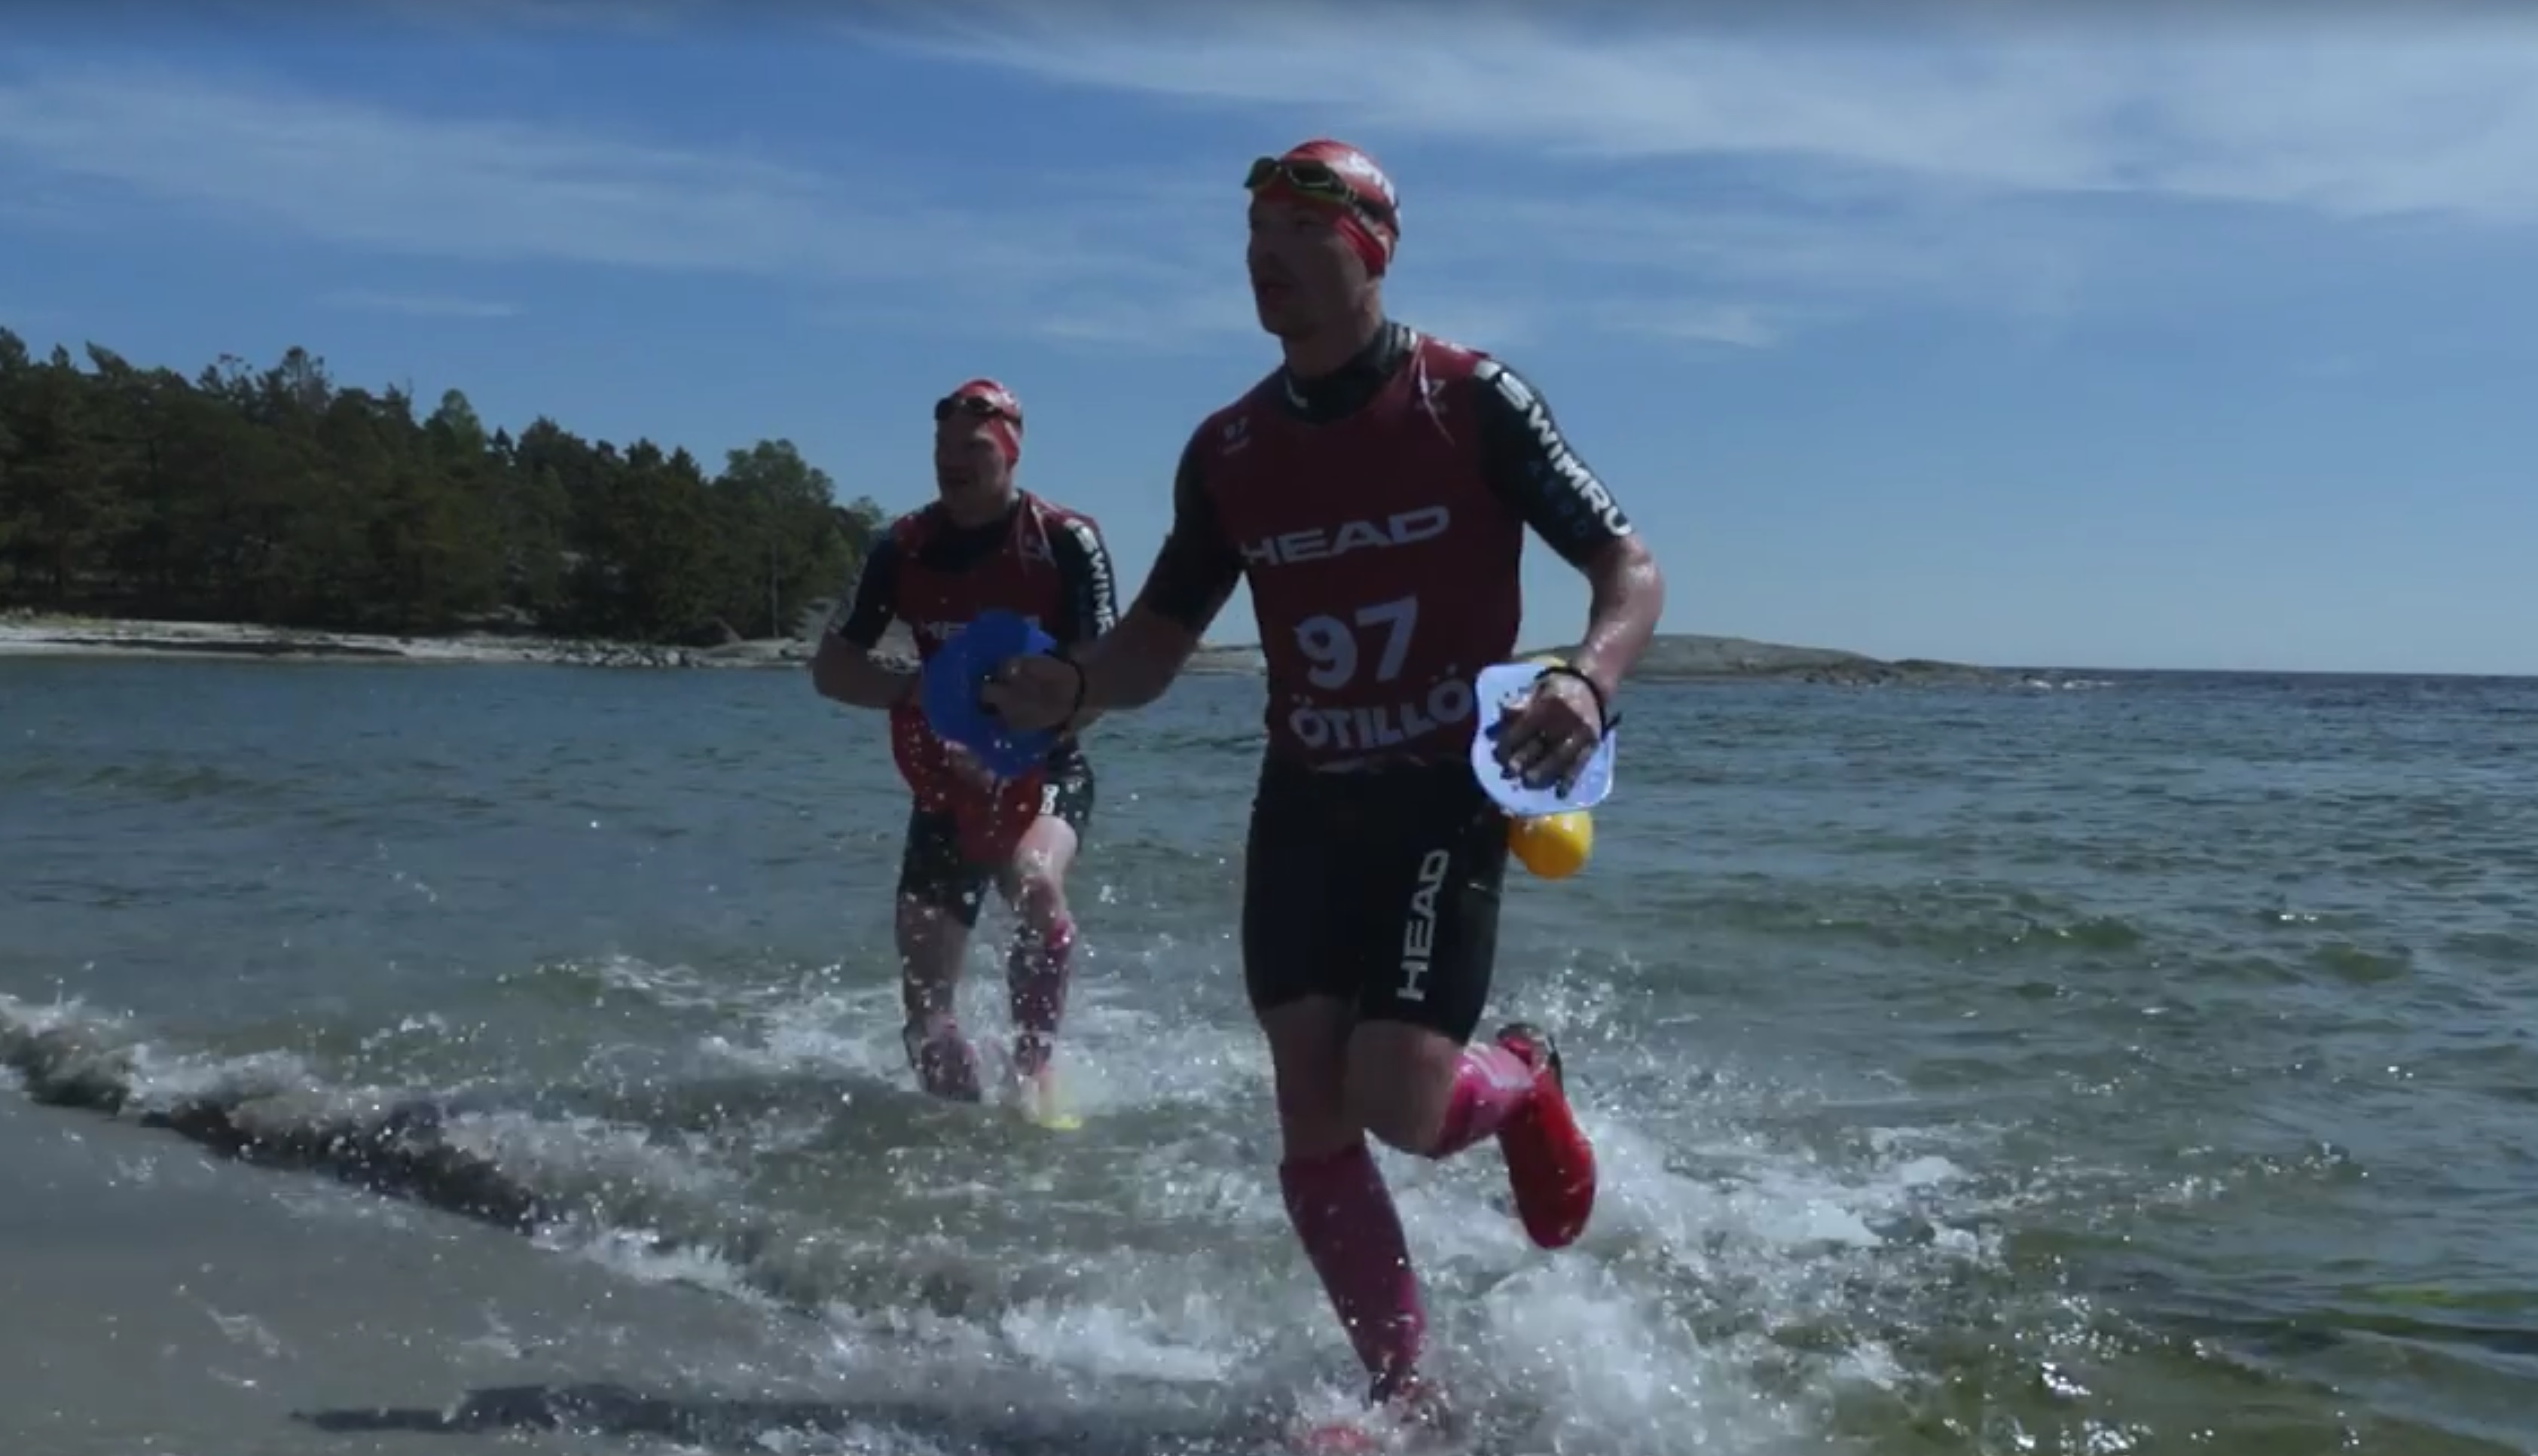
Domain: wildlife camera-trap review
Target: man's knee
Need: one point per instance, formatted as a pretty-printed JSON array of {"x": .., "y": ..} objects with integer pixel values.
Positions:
[
  {"x": 1400, "y": 1081},
  {"x": 1308, "y": 1056},
  {"x": 1037, "y": 878},
  {"x": 1040, "y": 895},
  {"x": 1412, "y": 1026}
]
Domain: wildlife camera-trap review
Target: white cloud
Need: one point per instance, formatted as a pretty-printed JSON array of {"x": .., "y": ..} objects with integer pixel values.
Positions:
[
  {"x": 420, "y": 305},
  {"x": 455, "y": 188},
  {"x": 1055, "y": 256},
  {"x": 1792, "y": 262},
  {"x": 2422, "y": 112},
  {"x": 1191, "y": 317},
  {"x": 1721, "y": 176},
  {"x": 1730, "y": 186},
  {"x": 1742, "y": 325},
  {"x": 492, "y": 191}
]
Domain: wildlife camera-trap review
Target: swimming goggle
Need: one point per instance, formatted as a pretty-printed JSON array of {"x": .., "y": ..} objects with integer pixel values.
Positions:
[
  {"x": 977, "y": 405},
  {"x": 1315, "y": 178}
]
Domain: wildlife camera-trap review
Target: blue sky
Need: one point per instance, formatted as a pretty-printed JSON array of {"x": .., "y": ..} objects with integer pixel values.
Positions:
[{"x": 2187, "y": 345}]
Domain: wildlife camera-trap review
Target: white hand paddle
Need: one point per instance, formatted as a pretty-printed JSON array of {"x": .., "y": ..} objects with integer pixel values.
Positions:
[{"x": 1499, "y": 691}]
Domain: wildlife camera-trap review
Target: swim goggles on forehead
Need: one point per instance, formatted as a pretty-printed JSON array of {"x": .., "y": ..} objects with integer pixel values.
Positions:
[
  {"x": 1315, "y": 180},
  {"x": 976, "y": 405}
]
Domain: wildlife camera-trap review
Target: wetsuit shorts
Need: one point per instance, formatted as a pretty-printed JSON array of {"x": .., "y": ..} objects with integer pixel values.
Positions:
[
  {"x": 1378, "y": 887},
  {"x": 933, "y": 870}
]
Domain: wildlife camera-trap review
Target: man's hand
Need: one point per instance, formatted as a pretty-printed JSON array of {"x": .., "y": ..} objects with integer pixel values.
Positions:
[
  {"x": 1031, "y": 694},
  {"x": 1551, "y": 737},
  {"x": 966, "y": 765}
]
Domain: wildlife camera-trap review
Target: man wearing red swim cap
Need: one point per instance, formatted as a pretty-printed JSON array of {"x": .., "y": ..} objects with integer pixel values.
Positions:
[
  {"x": 981, "y": 544},
  {"x": 1376, "y": 491}
]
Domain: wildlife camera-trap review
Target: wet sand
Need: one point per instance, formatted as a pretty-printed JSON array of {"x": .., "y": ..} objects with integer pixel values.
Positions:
[{"x": 202, "y": 1307}]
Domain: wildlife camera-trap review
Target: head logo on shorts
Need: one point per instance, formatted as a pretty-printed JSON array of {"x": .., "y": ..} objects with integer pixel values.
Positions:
[{"x": 1419, "y": 927}]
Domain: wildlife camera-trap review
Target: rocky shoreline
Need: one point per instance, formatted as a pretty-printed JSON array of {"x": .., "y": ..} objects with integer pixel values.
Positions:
[
  {"x": 1671, "y": 658},
  {"x": 29, "y": 636},
  {"x": 40, "y": 636}
]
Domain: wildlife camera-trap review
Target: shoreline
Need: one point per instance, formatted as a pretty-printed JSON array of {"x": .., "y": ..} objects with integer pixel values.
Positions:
[
  {"x": 1673, "y": 657},
  {"x": 99, "y": 637}
]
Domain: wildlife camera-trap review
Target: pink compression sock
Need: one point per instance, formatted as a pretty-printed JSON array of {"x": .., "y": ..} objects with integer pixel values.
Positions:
[
  {"x": 1036, "y": 977},
  {"x": 1491, "y": 1085},
  {"x": 1350, "y": 1229}
]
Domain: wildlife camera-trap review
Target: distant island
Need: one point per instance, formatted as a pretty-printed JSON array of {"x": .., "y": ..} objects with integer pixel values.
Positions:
[
  {"x": 1671, "y": 657},
  {"x": 1691, "y": 657}
]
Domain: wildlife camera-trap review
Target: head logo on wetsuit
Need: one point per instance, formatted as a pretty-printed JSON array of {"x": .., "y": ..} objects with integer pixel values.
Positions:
[{"x": 1361, "y": 549}]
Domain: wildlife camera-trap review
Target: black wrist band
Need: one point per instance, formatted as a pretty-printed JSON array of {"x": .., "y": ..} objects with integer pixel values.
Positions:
[
  {"x": 1606, "y": 720},
  {"x": 1083, "y": 686}
]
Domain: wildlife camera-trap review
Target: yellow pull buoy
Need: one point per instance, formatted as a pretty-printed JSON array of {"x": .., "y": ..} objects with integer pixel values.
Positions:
[{"x": 1553, "y": 846}]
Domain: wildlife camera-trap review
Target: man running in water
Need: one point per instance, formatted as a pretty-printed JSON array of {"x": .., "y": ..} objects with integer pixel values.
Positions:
[
  {"x": 1376, "y": 492},
  {"x": 981, "y": 544}
]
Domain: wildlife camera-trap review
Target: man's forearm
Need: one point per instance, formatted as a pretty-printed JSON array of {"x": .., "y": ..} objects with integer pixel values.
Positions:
[
  {"x": 1088, "y": 716},
  {"x": 1629, "y": 598},
  {"x": 851, "y": 675},
  {"x": 1133, "y": 663}
]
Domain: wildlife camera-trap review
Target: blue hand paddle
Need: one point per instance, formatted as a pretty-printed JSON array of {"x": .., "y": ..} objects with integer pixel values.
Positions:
[
  {"x": 956, "y": 673},
  {"x": 1499, "y": 691}
]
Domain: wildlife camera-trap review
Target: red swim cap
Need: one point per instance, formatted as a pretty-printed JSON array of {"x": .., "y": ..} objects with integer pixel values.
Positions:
[
  {"x": 1344, "y": 177},
  {"x": 988, "y": 400}
]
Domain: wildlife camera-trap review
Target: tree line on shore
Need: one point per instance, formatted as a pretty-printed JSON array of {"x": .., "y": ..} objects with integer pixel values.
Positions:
[{"x": 281, "y": 498}]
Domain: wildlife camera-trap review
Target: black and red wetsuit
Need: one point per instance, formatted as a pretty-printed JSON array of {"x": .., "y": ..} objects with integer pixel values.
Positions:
[
  {"x": 1379, "y": 516},
  {"x": 1040, "y": 561}
]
